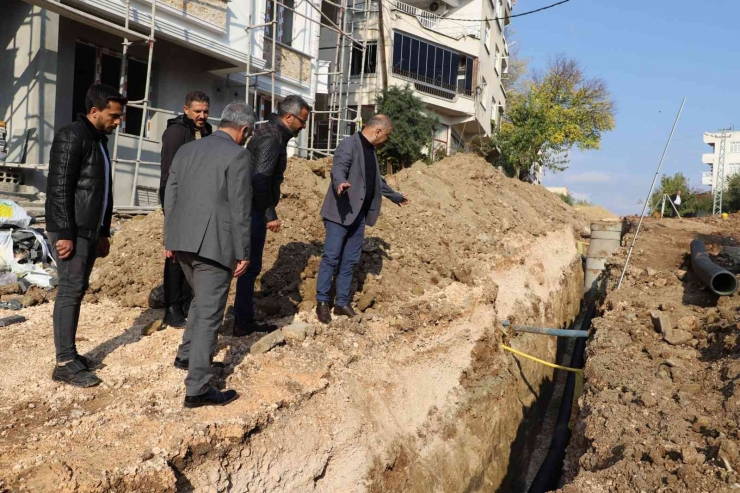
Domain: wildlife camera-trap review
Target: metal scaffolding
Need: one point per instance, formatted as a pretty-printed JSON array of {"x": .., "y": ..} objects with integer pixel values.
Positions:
[{"x": 338, "y": 75}]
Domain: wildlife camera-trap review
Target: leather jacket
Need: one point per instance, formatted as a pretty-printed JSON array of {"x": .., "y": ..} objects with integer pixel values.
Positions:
[
  {"x": 180, "y": 130},
  {"x": 75, "y": 187},
  {"x": 269, "y": 148}
]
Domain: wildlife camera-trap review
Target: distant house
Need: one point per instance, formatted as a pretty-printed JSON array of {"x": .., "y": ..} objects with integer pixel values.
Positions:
[
  {"x": 559, "y": 190},
  {"x": 731, "y": 154}
]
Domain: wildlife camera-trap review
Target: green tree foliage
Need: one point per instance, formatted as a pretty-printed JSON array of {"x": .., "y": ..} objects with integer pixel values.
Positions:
[
  {"x": 413, "y": 126},
  {"x": 553, "y": 112},
  {"x": 731, "y": 197},
  {"x": 566, "y": 198},
  {"x": 669, "y": 185}
]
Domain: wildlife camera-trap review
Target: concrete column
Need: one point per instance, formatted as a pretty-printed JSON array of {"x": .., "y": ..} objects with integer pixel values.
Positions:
[{"x": 28, "y": 72}]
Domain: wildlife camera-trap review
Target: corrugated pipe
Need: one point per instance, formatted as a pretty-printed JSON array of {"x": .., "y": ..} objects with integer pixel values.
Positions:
[
  {"x": 719, "y": 280},
  {"x": 548, "y": 476},
  {"x": 545, "y": 331}
]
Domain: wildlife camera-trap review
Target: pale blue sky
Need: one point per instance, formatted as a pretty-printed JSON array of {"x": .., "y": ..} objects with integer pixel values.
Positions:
[{"x": 651, "y": 53}]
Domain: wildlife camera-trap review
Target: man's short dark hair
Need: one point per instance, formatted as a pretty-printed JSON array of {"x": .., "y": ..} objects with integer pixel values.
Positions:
[
  {"x": 197, "y": 96},
  {"x": 99, "y": 95},
  {"x": 292, "y": 105}
]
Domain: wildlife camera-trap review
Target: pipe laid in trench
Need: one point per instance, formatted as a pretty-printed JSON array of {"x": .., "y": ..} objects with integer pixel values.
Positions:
[
  {"x": 548, "y": 476},
  {"x": 545, "y": 331},
  {"x": 719, "y": 280}
]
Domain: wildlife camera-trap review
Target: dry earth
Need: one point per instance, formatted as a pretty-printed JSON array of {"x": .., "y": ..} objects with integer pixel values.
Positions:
[
  {"x": 414, "y": 395},
  {"x": 661, "y": 405}
]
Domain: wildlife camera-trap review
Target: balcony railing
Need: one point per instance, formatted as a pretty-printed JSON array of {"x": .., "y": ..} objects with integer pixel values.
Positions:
[
  {"x": 707, "y": 178},
  {"x": 432, "y": 86},
  {"x": 437, "y": 23}
]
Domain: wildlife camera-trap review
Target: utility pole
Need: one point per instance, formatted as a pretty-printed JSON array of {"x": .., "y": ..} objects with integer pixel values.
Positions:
[
  {"x": 719, "y": 184},
  {"x": 381, "y": 45}
]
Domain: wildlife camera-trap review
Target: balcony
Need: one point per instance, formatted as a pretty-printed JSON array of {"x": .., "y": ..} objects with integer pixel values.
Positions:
[
  {"x": 707, "y": 178},
  {"x": 707, "y": 158},
  {"x": 432, "y": 86},
  {"x": 434, "y": 22}
]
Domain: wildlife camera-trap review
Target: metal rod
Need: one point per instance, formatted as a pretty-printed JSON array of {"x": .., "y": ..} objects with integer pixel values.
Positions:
[
  {"x": 146, "y": 104},
  {"x": 274, "y": 49},
  {"x": 647, "y": 199},
  {"x": 122, "y": 90},
  {"x": 545, "y": 331}
]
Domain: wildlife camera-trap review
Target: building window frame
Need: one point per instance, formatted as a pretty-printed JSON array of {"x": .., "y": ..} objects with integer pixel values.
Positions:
[{"x": 285, "y": 21}]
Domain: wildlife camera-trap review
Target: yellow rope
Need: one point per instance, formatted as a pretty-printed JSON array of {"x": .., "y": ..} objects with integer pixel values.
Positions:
[{"x": 579, "y": 373}]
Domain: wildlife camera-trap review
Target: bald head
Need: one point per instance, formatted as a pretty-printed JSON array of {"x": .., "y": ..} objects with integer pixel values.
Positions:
[{"x": 377, "y": 129}]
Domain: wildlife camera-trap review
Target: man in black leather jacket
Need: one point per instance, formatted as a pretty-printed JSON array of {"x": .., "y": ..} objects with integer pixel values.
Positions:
[
  {"x": 269, "y": 148},
  {"x": 191, "y": 125},
  {"x": 79, "y": 206}
]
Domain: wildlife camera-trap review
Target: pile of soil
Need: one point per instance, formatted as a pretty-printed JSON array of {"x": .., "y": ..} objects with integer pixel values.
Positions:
[
  {"x": 661, "y": 403},
  {"x": 379, "y": 399},
  {"x": 460, "y": 209}
]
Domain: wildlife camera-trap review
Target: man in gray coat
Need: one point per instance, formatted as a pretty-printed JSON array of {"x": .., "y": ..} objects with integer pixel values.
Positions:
[
  {"x": 352, "y": 201},
  {"x": 208, "y": 202}
]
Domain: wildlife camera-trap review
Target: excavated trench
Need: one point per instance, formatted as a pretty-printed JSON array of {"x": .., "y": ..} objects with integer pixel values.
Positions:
[{"x": 448, "y": 411}]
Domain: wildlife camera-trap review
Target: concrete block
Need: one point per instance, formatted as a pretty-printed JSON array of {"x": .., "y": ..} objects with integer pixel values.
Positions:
[{"x": 267, "y": 342}]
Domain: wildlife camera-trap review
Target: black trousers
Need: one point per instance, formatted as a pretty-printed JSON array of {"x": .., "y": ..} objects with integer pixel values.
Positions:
[
  {"x": 74, "y": 278},
  {"x": 177, "y": 290},
  {"x": 176, "y": 287}
]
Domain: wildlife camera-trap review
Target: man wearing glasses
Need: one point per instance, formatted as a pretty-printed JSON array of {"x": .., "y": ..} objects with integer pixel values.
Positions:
[{"x": 269, "y": 148}]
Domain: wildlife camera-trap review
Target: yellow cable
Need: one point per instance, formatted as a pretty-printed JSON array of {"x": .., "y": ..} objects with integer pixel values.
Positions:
[
  {"x": 546, "y": 363},
  {"x": 579, "y": 372}
]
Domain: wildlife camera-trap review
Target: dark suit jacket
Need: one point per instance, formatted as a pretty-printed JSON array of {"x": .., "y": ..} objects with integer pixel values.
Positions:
[
  {"x": 349, "y": 165},
  {"x": 208, "y": 200}
]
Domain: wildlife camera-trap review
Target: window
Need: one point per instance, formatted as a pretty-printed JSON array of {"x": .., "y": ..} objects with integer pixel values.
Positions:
[
  {"x": 500, "y": 9},
  {"x": 497, "y": 61},
  {"x": 87, "y": 58},
  {"x": 487, "y": 36},
  {"x": 371, "y": 58},
  {"x": 483, "y": 92},
  {"x": 494, "y": 113},
  {"x": 734, "y": 147},
  {"x": 284, "y": 24},
  {"x": 424, "y": 62},
  {"x": 733, "y": 169}
]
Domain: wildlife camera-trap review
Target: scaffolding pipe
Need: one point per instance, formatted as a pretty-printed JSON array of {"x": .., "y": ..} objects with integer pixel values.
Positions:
[
  {"x": 122, "y": 90},
  {"x": 146, "y": 104},
  {"x": 274, "y": 50},
  {"x": 343, "y": 40}
]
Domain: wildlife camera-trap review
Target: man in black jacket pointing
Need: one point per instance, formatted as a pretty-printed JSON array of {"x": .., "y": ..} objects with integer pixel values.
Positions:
[
  {"x": 269, "y": 147},
  {"x": 79, "y": 206}
]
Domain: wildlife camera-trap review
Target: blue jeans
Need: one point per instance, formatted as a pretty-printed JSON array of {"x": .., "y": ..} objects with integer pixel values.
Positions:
[
  {"x": 244, "y": 299},
  {"x": 342, "y": 250}
]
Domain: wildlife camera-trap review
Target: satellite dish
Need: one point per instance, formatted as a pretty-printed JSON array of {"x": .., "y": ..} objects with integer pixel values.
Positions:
[{"x": 434, "y": 6}]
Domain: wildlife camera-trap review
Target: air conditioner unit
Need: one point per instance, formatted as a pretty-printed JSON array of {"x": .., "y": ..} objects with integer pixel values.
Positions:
[{"x": 434, "y": 6}]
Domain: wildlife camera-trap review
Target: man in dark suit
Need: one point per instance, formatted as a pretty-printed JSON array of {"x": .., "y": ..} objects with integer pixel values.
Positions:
[
  {"x": 191, "y": 125},
  {"x": 352, "y": 202},
  {"x": 79, "y": 206},
  {"x": 208, "y": 202}
]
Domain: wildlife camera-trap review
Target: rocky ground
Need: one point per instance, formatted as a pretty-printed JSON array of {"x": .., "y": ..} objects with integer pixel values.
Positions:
[
  {"x": 379, "y": 403},
  {"x": 660, "y": 408}
]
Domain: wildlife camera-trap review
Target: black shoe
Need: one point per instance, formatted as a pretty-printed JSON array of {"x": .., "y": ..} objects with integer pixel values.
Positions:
[
  {"x": 182, "y": 364},
  {"x": 323, "y": 312},
  {"x": 346, "y": 310},
  {"x": 249, "y": 328},
  {"x": 174, "y": 317},
  {"x": 75, "y": 373},
  {"x": 211, "y": 398},
  {"x": 87, "y": 363}
]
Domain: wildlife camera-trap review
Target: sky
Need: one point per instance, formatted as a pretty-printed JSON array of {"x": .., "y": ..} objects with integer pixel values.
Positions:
[{"x": 651, "y": 53}]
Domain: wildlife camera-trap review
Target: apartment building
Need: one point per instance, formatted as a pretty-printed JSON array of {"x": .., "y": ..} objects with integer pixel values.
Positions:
[
  {"x": 445, "y": 49},
  {"x": 54, "y": 51},
  {"x": 730, "y": 153}
]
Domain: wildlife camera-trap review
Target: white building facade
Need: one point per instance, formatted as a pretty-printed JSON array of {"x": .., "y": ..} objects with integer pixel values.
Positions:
[
  {"x": 731, "y": 154},
  {"x": 453, "y": 54},
  {"x": 55, "y": 52}
]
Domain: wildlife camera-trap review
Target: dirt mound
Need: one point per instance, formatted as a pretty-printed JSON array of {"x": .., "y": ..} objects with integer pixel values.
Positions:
[
  {"x": 413, "y": 395},
  {"x": 460, "y": 210},
  {"x": 661, "y": 401},
  {"x": 595, "y": 212}
]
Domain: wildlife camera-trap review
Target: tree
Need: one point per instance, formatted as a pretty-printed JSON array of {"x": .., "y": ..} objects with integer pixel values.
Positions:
[
  {"x": 553, "y": 112},
  {"x": 413, "y": 126},
  {"x": 566, "y": 198},
  {"x": 517, "y": 67},
  {"x": 669, "y": 185},
  {"x": 731, "y": 196}
]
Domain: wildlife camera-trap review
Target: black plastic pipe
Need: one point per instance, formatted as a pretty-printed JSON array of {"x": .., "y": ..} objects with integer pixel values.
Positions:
[
  {"x": 719, "y": 280},
  {"x": 548, "y": 476}
]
